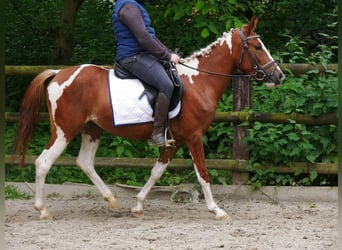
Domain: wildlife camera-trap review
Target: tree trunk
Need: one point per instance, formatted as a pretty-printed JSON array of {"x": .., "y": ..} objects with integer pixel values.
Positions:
[{"x": 64, "y": 35}]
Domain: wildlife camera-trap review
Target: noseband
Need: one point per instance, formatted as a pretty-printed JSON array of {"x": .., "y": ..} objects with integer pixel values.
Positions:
[{"x": 260, "y": 72}]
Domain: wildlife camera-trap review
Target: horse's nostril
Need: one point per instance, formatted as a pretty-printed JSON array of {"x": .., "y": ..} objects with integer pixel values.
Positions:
[{"x": 281, "y": 77}]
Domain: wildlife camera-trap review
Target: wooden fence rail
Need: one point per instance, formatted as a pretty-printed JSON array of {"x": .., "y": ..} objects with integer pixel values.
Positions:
[
  {"x": 226, "y": 164},
  {"x": 238, "y": 117}
]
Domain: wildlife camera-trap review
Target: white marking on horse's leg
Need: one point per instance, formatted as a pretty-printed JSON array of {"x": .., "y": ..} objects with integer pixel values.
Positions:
[
  {"x": 85, "y": 161},
  {"x": 211, "y": 204},
  {"x": 157, "y": 171},
  {"x": 43, "y": 164}
]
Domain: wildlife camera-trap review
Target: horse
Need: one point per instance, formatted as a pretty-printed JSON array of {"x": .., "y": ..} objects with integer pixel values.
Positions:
[{"x": 77, "y": 101}]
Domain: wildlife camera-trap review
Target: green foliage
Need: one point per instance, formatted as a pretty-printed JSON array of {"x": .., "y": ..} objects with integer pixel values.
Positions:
[
  {"x": 218, "y": 142},
  {"x": 269, "y": 177},
  {"x": 196, "y": 23},
  {"x": 12, "y": 193},
  {"x": 94, "y": 37},
  {"x": 305, "y": 20},
  {"x": 314, "y": 93}
]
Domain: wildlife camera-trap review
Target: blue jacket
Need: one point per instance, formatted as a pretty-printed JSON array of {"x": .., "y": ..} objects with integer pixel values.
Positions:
[{"x": 127, "y": 45}]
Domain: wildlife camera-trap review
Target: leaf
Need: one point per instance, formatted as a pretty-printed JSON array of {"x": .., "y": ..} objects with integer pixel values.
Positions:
[
  {"x": 205, "y": 33},
  {"x": 293, "y": 136},
  {"x": 311, "y": 157},
  {"x": 287, "y": 127},
  {"x": 213, "y": 172},
  {"x": 178, "y": 14},
  {"x": 199, "y": 5},
  {"x": 120, "y": 150},
  {"x": 313, "y": 175},
  {"x": 257, "y": 125},
  {"x": 213, "y": 28}
]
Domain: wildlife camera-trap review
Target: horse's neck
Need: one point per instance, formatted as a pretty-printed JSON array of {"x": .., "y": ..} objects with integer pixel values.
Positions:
[{"x": 218, "y": 66}]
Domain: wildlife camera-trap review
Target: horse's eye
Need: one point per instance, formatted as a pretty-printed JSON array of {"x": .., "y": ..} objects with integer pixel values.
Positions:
[{"x": 258, "y": 47}]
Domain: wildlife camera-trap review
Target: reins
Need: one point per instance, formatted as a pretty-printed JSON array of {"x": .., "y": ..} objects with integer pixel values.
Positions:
[{"x": 213, "y": 73}]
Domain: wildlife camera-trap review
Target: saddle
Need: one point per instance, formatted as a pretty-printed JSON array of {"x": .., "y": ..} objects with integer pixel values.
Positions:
[{"x": 151, "y": 92}]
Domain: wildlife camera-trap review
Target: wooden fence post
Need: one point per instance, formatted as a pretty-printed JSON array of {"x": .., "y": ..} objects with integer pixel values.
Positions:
[{"x": 242, "y": 98}]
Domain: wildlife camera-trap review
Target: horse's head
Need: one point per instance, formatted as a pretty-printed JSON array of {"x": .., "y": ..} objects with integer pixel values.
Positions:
[{"x": 251, "y": 56}]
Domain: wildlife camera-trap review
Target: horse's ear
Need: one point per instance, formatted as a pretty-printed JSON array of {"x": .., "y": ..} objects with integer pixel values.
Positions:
[{"x": 252, "y": 24}]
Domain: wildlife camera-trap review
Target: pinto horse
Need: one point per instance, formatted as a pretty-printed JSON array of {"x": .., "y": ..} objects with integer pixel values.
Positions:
[{"x": 77, "y": 101}]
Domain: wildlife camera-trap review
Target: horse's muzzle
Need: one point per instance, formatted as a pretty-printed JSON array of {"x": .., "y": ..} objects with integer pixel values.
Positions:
[{"x": 275, "y": 79}]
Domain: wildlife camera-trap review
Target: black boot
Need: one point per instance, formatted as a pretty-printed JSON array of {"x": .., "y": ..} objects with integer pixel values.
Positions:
[{"x": 160, "y": 118}]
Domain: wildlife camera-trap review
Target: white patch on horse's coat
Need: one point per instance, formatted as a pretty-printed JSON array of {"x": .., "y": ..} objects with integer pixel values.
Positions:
[
  {"x": 193, "y": 61},
  {"x": 182, "y": 70},
  {"x": 55, "y": 91},
  {"x": 85, "y": 160},
  {"x": 226, "y": 37},
  {"x": 211, "y": 204},
  {"x": 206, "y": 190},
  {"x": 268, "y": 54},
  {"x": 157, "y": 171},
  {"x": 43, "y": 164},
  {"x": 229, "y": 42}
]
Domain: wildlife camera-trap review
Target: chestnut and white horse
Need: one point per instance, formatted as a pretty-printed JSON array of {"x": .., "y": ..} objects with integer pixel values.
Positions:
[{"x": 78, "y": 101}]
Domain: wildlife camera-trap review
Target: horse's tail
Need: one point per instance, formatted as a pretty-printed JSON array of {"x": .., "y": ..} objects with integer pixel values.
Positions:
[{"x": 29, "y": 112}]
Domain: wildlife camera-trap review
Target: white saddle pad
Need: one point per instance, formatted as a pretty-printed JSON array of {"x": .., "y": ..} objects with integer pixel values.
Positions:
[{"x": 129, "y": 104}]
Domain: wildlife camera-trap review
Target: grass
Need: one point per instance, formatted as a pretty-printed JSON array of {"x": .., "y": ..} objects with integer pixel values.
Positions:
[{"x": 12, "y": 193}]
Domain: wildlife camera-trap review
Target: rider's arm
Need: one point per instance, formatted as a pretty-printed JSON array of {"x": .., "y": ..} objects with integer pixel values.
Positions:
[{"x": 130, "y": 15}]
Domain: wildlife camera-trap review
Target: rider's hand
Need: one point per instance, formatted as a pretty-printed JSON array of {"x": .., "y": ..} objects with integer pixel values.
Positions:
[{"x": 174, "y": 58}]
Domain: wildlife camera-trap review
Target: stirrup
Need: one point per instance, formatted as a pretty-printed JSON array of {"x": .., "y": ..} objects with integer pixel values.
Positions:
[
  {"x": 169, "y": 142},
  {"x": 166, "y": 142}
]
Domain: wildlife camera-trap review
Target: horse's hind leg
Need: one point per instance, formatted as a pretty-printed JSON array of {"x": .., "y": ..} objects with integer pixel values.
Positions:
[
  {"x": 43, "y": 164},
  {"x": 85, "y": 160}
]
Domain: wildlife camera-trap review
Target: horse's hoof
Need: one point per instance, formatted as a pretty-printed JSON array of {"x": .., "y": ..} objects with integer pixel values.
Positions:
[
  {"x": 45, "y": 215},
  {"x": 137, "y": 212},
  {"x": 113, "y": 204},
  {"x": 222, "y": 215}
]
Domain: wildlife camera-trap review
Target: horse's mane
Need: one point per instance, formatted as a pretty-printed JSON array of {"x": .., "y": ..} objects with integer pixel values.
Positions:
[{"x": 207, "y": 49}]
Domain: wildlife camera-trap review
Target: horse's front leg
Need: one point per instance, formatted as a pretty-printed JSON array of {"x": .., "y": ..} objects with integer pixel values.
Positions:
[
  {"x": 157, "y": 171},
  {"x": 195, "y": 146}
]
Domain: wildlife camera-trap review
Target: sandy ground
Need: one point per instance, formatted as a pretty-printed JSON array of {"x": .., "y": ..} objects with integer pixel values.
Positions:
[{"x": 276, "y": 218}]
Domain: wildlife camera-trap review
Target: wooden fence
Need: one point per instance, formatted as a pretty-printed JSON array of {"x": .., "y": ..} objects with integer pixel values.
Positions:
[{"x": 238, "y": 165}]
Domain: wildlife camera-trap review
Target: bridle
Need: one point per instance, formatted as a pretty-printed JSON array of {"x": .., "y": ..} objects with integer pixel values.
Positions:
[{"x": 260, "y": 72}]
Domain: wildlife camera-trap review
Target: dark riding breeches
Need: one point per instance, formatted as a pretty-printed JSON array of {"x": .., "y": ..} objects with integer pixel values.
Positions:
[{"x": 148, "y": 69}]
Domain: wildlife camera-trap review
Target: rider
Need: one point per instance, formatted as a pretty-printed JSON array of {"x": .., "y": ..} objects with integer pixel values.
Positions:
[{"x": 139, "y": 52}]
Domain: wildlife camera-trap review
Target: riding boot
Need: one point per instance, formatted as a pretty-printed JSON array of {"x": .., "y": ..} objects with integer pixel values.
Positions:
[{"x": 160, "y": 117}]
